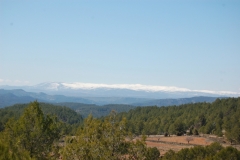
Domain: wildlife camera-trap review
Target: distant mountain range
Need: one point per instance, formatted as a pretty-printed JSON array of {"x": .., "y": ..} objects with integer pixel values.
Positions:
[
  {"x": 10, "y": 97},
  {"x": 179, "y": 101},
  {"x": 86, "y": 90}
]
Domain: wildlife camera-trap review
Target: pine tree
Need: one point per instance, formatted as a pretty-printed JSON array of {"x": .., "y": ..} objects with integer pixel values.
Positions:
[{"x": 33, "y": 133}]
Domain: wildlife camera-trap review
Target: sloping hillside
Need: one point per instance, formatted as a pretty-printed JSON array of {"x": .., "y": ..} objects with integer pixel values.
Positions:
[
  {"x": 64, "y": 114},
  {"x": 220, "y": 117}
]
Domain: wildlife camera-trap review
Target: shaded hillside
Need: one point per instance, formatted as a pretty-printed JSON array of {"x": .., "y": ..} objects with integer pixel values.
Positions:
[
  {"x": 11, "y": 97},
  {"x": 117, "y": 100},
  {"x": 98, "y": 111},
  {"x": 171, "y": 102},
  {"x": 95, "y": 110},
  {"x": 64, "y": 114}
]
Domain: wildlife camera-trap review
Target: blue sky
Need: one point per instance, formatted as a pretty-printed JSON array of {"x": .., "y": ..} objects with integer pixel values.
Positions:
[{"x": 190, "y": 44}]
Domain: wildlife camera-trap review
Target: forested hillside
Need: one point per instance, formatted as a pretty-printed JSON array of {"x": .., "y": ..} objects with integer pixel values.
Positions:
[
  {"x": 64, "y": 114},
  {"x": 221, "y": 116},
  {"x": 179, "y": 101},
  {"x": 95, "y": 110},
  {"x": 34, "y": 134}
]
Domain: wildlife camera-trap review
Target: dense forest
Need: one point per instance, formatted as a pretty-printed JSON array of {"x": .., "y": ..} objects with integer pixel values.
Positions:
[
  {"x": 69, "y": 118},
  {"x": 44, "y": 131},
  {"x": 96, "y": 110},
  {"x": 212, "y": 152},
  {"x": 220, "y": 117},
  {"x": 36, "y": 135}
]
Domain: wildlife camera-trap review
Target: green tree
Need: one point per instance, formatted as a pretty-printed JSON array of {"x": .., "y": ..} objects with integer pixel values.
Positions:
[
  {"x": 195, "y": 131},
  {"x": 234, "y": 134},
  {"x": 228, "y": 153},
  {"x": 152, "y": 154},
  {"x": 223, "y": 114},
  {"x": 107, "y": 139},
  {"x": 11, "y": 154},
  {"x": 34, "y": 133},
  {"x": 213, "y": 152},
  {"x": 138, "y": 149},
  {"x": 97, "y": 140},
  {"x": 169, "y": 155},
  {"x": 178, "y": 128}
]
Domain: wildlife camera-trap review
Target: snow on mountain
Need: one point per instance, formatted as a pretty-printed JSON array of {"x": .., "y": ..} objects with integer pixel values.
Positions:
[
  {"x": 119, "y": 90},
  {"x": 58, "y": 86},
  {"x": 135, "y": 87},
  {"x": 49, "y": 85}
]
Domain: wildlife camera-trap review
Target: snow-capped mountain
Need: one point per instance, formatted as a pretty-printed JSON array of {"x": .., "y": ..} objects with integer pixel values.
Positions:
[{"x": 122, "y": 90}]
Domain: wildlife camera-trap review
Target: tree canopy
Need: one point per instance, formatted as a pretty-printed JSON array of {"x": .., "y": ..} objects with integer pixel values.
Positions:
[
  {"x": 212, "y": 152},
  {"x": 107, "y": 139},
  {"x": 69, "y": 118},
  {"x": 209, "y": 118},
  {"x": 32, "y": 133}
]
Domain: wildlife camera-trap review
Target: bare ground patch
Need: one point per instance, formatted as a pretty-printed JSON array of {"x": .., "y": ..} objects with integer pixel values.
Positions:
[{"x": 176, "y": 143}]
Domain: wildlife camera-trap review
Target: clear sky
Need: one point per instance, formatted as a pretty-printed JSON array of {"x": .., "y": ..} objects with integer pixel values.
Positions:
[{"x": 182, "y": 43}]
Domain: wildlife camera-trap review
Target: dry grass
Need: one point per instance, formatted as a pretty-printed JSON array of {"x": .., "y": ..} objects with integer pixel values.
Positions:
[
  {"x": 163, "y": 148},
  {"x": 175, "y": 143},
  {"x": 182, "y": 139}
]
